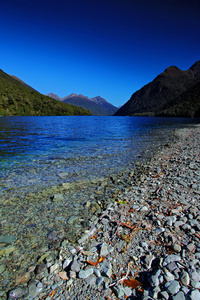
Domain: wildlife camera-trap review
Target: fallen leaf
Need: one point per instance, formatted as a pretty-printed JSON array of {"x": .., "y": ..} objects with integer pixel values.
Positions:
[
  {"x": 51, "y": 294},
  {"x": 133, "y": 283},
  {"x": 101, "y": 259},
  {"x": 93, "y": 263}
]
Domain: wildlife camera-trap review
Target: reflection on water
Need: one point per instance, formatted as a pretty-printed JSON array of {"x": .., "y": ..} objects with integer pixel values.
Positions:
[{"x": 36, "y": 151}]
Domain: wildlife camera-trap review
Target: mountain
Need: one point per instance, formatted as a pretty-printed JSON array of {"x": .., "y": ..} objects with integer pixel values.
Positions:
[
  {"x": 97, "y": 105},
  {"x": 54, "y": 96},
  {"x": 187, "y": 104},
  {"x": 162, "y": 93},
  {"x": 19, "y": 99},
  {"x": 21, "y": 81}
]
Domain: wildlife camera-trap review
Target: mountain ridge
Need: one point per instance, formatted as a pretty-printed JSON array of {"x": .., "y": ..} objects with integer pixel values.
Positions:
[
  {"x": 159, "y": 93},
  {"x": 97, "y": 105},
  {"x": 19, "y": 99}
]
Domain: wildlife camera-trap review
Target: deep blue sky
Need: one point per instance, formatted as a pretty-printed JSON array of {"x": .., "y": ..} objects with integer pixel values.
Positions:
[{"x": 109, "y": 48}]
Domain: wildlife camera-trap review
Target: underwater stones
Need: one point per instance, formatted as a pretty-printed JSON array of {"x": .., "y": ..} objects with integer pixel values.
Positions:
[
  {"x": 22, "y": 278},
  {"x": 66, "y": 185},
  {"x": 94, "y": 207},
  {"x": 8, "y": 239},
  {"x": 16, "y": 293},
  {"x": 6, "y": 251},
  {"x": 121, "y": 242},
  {"x": 58, "y": 197}
]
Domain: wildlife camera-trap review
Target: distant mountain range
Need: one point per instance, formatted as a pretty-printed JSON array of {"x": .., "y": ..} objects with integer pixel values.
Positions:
[
  {"x": 172, "y": 93},
  {"x": 19, "y": 99},
  {"x": 97, "y": 105}
]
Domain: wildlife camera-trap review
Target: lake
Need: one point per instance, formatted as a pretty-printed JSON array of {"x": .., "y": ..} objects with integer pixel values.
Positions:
[
  {"x": 38, "y": 155},
  {"x": 36, "y": 152}
]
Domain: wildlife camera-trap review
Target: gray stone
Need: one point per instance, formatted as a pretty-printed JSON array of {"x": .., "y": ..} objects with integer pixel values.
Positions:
[
  {"x": 72, "y": 219},
  {"x": 69, "y": 282},
  {"x": 34, "y": 290},
  {"x": 193, "y": 295},
  {"x": 161, "y": 279},
  {"x": 106, "y": 269},
  {"x": 85, "y": 273},
  {"x": 119, "y": 293},
  {"x": 90, "y": 280},
  {"x": 144, "y": 245},
  {"x": 179, "y": 223},
  {"x": 172, "y": 287},
  {"x": 104, "y": 250},
  {"x": 72, "y": 274},
  {"x": 52, "y": 235},
  {"x": 8, "y": 239},
  {"x": 58, "y": 197},
  {"x": 72, "y": 251},
  {"x": 179, "y": 296},
  {"x": 75, "y": 266},
  {"x": 159, "y": 230},
  {"x": 148, "y": 260},
  {"x": 41, "y": 271},
  {"x": 154, "y": 293},
  {"x": 195, "y": 284},
  {"x": 191, "y": 247},
  {"x": 197, "y": 255},
  {"x": 171, "y": 266},
  {"x": 194, "y": 275},
  {"x": 164, "y": 295},
  {"x": 144, "y": 209},
  {"x": 177, "y": 248},
  {"x": 97, "y": 272},
  {"x": 54, "y": 268},
  {"x": 171, "y": 258},
  {"x": 127, "y": 291},
  {"x": 66, "y": 263},
  {"x": 168, "y": 276},
  {"x": 185, "y": 290},
  {"x": 154, "y": 279},
  {"x": 99, "y": 280},
  {"x": 186, "y": 227},
  {"x": 16, "y": 293},
  {"x": 66, "y": 185},
  {"x": 176, "y": 273},
  {"x": 170, "y": 220},
  {"x": 184, "y": 277},
  {"x": 2, "y": 269},
  {"x": 105, "y": 221}
]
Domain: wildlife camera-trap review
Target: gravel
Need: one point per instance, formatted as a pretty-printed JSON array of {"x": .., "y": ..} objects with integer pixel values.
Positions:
[{"x": 144, "y": 242}]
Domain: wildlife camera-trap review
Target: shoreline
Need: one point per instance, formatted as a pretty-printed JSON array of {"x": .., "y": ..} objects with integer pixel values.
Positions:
[{"x": 134, "y": 188}]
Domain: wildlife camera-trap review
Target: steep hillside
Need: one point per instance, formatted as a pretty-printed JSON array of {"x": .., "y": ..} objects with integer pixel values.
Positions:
[
  {"x": 97, "y": 105},
  {"x": 21, "y": 81},
  {"x": 16, "y": 99},
  {"x": 158, "y": 94},
  {"x": 186, "y": 104}
]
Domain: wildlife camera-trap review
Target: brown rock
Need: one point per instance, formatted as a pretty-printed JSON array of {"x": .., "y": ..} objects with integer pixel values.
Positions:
[
  {"x": 22, "y": 278},
  {"x": 63, "y": 275}
]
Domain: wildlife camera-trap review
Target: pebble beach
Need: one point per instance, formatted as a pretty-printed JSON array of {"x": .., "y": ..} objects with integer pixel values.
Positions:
[{"x": 137, "y": 236}]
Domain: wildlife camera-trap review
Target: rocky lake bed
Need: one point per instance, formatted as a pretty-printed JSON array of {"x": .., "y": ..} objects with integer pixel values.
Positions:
[{"x": 134, "y": 235}]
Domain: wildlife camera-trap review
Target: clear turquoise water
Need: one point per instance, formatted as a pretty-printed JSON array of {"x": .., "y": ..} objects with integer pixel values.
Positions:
[{"x": 41, "y": 151}]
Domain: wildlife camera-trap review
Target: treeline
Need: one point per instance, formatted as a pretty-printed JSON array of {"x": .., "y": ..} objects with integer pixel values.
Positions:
[
  {"x": 185, "y": 105},
  {"x": 18, "y": 100}
]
